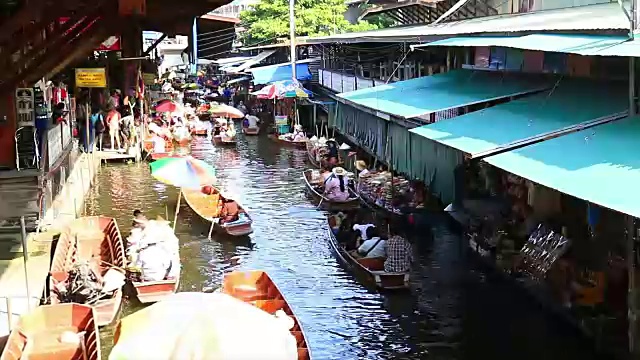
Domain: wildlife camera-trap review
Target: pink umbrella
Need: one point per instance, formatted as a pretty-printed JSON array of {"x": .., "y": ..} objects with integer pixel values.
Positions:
[{"x": 267, "y": 92}]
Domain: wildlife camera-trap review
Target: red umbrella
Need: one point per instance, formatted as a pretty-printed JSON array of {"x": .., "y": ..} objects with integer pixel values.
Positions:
[{"x": 168, "y": 106}]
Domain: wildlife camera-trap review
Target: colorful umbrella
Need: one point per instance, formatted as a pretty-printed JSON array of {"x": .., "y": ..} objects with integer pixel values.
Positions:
[
  {"x": 168, "y": 106},
  {"x": 191, "y": 325},
  {"x": 283, "y": 89},
  {"x": 226, "y": 111},
  {"x": 183, "y": 172}
]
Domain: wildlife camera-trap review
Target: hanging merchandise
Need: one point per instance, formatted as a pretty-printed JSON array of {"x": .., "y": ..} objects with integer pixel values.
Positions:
[{"x": 543, "y": 248}]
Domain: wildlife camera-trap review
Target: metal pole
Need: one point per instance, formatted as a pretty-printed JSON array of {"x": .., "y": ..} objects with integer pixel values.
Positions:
[
  {"x": 175, "y": 218},
  {"x": 292, "y": 38},
  {"x": 25, "y": 254},
  {"x": 631, "y": 256}
]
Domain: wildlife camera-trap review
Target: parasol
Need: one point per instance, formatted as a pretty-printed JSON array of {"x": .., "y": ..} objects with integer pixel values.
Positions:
[
  {"x": 226, "y": 111},
  {"x": 183, "y": 172},
  {"x": 283, "y": 89},
  {"x": 168, "y": 106},
  {"x": 203, "y": 326}
]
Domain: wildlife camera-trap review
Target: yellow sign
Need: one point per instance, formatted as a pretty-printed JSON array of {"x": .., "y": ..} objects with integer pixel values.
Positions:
[
  {"x": 91, "y": 78},
  {"x": 149, "y": 78}
]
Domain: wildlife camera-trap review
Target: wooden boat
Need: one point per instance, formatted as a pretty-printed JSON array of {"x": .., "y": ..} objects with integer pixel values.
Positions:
[
  {"x": 297, "y": 144},
  {"x": 93, "y": 239},
  {"x": 208, "y": 208},
  {"x": 37, "y": 334},
  {"x": 312, "y": 158},
  {"x": 157, "y": 156},
  {"x": 199, "y": 132},
  {"x": 352, "y": 203},
  {"x": 154, "y": 291},
  {"x": 219, "y": 140},
  {"x": 382, "y": 211},
  {"x": 257, "y": 289},
  {"x": 369, "y": 269},
  {"x": 251, "y": 130}
]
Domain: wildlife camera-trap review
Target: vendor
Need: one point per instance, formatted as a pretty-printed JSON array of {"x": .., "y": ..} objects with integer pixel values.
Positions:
[
  {"x": 362, "y": 167},
  {"x": 230, "y": 211},
  {"x": 332, "y": 153},
  {"x": 335, "y": 186},
  {"x": 298, "y": 133}
]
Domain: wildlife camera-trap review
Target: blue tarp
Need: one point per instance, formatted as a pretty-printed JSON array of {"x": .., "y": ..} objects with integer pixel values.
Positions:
[{"x": 273, "y": 73}]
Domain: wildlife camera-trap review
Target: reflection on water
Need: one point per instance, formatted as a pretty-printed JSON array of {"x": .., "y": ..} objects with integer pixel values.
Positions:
[{"x": 454, "y": 311}]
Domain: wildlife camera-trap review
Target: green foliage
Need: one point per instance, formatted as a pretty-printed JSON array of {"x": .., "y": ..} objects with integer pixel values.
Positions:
[{"x": 269, "y": 20}]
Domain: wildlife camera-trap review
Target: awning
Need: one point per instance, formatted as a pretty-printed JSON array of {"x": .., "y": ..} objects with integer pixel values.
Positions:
[
  {"x": 573, "y": 102},
  {"x": 599, "y": 165},
  {"x": 272, "y": 73},
  {"x": 254, "y": 61},
  {"x": 581, "y": 44},
  {"x": 417, "y": 97},
  {"x": 606, "y": 16},
  {"x": 232, "y": 60},
  {"x": 240, "y": 79}
]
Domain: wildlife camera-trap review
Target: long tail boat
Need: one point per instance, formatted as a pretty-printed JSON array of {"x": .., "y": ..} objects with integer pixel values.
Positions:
[
  {"x": 96, "y": 240},
  {"x": 257, "y": 288},
  {"x": 208, "y": 207},
  {"x": 370, "y": 270},
  {"x": 352, "y": 203},
  {"x": 311, "y": 151},
  {"x": 297, "y": 144},
  {"x": 199, "y": 132},
  {"x": 43, "y": 334},
  {"x": 153, "y": 291}
]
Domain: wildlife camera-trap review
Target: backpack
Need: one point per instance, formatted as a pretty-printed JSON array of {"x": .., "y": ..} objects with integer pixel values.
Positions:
[{"x": 98, "y": 122}]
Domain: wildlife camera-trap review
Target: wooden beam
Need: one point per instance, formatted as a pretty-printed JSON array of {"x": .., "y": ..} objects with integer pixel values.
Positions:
[
  {"x": 83, "y": 47},
  {"x": 154, "y": 45}
]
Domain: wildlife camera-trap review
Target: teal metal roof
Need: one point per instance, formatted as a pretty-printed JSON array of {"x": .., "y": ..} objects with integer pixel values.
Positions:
[
  {"x": 572, "y": 102},
  {"x": 588, "y": 45},
  {"x": 600, "y": 165},
  {"x": 429, "y": 94}
]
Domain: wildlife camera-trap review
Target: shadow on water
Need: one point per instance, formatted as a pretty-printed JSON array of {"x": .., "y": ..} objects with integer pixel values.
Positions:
[{"x": 453, "y": 312}]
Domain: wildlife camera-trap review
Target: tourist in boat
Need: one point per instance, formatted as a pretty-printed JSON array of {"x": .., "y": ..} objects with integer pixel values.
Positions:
[
  {"x": 332, "y": 153},
  {"x": 252, "y": 121},
  {"x": 335, "y": 185},
  {"x": 230, "y": 211},
  {"x": 361, "y": 230},
  {"x": 374, "y": 246},
  {"x": 362, "y": 167},
  {"x": 242, "y": 107},
  {"x": 157, "y": 251},
  {"x": 399, "y": 252}
]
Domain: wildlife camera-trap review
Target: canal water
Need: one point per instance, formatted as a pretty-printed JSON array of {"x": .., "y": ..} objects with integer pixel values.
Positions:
[{"x": 454, "y": 311}]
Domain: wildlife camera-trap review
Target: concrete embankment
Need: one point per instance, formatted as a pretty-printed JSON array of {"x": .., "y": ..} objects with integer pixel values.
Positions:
[{"x": 22, "y": 290}]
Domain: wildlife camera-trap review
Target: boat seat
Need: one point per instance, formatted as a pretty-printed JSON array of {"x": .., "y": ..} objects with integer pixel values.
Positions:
[{"x": 373, "y": 264}]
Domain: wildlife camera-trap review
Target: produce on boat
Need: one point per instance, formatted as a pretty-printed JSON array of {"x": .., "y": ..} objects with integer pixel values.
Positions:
[
  {"x": 370, "y": 269},
  {"x": 88, "y": 267},
  {"x": 258, "y": 289},
  {"x": 208, "y": 204},
  {"x": 279, "y": 139},
  {"x": 206, "y": 326},
  {"x": 149, "y": 242},
  {"x": 55, "y": 332},
  {"x": 378, "y": 192},
  {"x": 314, "y": 181}
]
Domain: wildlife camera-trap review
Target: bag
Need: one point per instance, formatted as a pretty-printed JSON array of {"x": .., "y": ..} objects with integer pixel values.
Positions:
[{"x": 98, "y": 123}]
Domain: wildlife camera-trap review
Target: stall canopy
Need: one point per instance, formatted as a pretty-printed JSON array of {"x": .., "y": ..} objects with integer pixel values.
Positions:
[
  {"x": 571, "y": 103},
  {"x": 422, "y": 96},
  {"x": 240, "y": 79},
  {"x": 273, "y": 73},
  {"x": 599, "y": 165},
  {"x": 254, "y": 60},
  {"x": 580, "y": 44}
]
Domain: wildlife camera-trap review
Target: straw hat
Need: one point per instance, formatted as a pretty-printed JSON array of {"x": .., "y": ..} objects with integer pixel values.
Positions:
[
  {"x": 298, "y": 127},
  {"x": 339, "y": 171},
  {"x": 361, "y": 165},
  {"x": 314, "y": 138}
]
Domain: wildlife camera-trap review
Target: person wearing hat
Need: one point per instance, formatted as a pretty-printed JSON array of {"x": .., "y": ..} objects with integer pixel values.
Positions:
[
  {"x": 362, "y": 167},
  {"x": 335, "y": 186},
  {"x": 332, "y": 153}
]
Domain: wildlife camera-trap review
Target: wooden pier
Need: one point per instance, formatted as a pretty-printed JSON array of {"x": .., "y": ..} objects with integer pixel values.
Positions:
[{"x": 115, "y": 156}]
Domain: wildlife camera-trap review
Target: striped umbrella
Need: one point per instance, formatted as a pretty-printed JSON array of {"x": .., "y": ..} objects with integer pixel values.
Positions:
[{"x": 183, "y": 172}]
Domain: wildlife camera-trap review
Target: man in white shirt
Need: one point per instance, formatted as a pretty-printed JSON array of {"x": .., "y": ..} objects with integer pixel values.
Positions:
[
  {"x": 155, "y": 262},
  {"x": 374, "y": 247},
  {"x": 362, "y": 229}
]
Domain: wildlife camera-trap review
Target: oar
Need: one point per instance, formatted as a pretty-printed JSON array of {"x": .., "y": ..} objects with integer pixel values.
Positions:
[{"x": 214, "y": 221}]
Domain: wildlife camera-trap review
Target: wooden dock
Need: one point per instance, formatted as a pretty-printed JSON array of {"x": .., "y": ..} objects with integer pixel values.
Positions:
[{"x": 115, "y": 156}]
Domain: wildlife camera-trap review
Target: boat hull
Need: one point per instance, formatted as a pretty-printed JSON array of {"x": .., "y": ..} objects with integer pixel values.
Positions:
[
  {"x": 199, "y": 132},
  {"x": 326, "y": 204},
  {"x": 257, "y": 289},
  {"x": 251, "y": 131},
  {"x": 296, "y": 144},
  {"x": 370, "y": 270},
  {"x": 219, "y": 141},
  {"x": 87, "y": 238},
  {"x": 153, "y": 291},
  {"x": 44, "y": 325}
]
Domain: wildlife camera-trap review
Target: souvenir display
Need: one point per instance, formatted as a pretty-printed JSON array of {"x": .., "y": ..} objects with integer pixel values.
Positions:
[
  {"x": 376, "y": 187},
  {"x": 542, "y": 250}
]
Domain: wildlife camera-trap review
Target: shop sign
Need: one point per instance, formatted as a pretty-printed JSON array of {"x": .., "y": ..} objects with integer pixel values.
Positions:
[
  {"x": 111, "y": 44},
  {"x": 281, "y": 120},
  {"x": 54, "y": 144},
  {"x": 91, "y": 78},
  {"x": 25, "y": 102}
]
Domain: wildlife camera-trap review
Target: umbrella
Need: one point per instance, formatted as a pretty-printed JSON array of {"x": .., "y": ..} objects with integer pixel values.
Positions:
[
  {"x": 283, "y": 89},
  {"x": 226, "y": 111},
  {"x": 183, "y": 172},
  {"x": 203, "y": 326},
  {"x": 168, "y": 106}
]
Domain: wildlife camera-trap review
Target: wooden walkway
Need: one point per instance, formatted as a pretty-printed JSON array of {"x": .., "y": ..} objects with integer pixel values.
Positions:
[{"x": 109, "y": 156}]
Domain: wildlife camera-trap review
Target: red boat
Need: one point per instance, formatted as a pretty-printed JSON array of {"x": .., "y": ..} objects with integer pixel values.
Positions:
[
  {"x": 154, "y": 291},
  {"x": 297, "y": 144}
]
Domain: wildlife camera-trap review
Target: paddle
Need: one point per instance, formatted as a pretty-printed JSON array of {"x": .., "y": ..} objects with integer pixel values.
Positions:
[{"x": 214, "y": 221}]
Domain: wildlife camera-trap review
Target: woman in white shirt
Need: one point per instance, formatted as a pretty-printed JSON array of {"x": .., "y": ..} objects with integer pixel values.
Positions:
[
  {"x": 362, "y": 229},
  {"x": 374, "y": 246}
]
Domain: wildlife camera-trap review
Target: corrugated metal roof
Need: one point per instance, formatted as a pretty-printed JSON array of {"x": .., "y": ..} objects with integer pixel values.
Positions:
[
  {"x": 599, "y": 165},
  {"x": 571, "y": 103},
  {"x": 593, "y": 17},
  {"x": 430, "y": 94}
]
